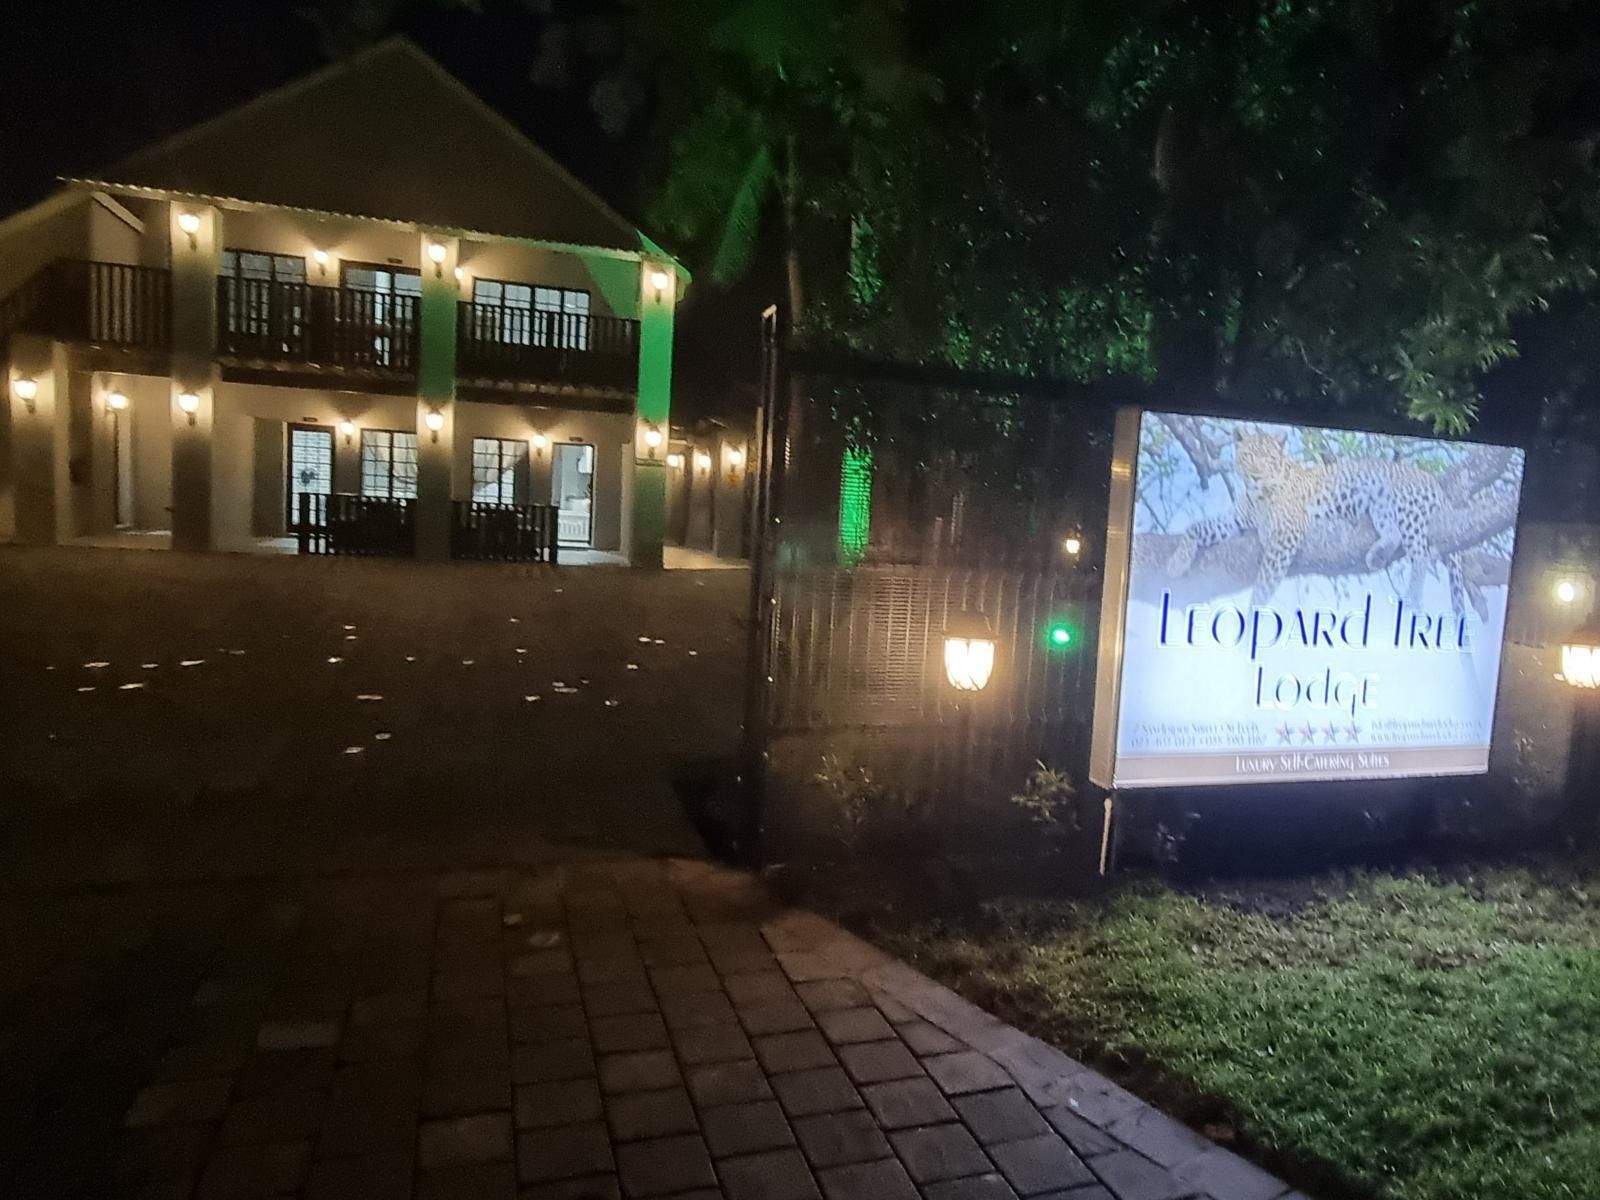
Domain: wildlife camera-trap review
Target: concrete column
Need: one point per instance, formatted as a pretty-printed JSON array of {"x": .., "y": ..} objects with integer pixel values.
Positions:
[
  {"x": 195, "y": 232},
  {"x": 436, "y": 397},
  {"x": 658, "y": 298},
  {"x": 41, "y": 483},
  {"x": 105, "y": 431}
]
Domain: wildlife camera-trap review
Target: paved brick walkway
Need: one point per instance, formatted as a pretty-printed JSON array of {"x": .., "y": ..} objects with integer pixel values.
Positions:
[{"x": 640, "y": 1028}]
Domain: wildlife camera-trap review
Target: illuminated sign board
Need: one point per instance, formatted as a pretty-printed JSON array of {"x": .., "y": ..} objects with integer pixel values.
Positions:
[{"x": 1289, "y": 603}]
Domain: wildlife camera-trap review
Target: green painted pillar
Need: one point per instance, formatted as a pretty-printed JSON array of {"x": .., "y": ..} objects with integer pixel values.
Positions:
[
  {"x": 658, "y": 298},
  {"x": 436, "y": 395},
  {"x": 195, "y": 233}
]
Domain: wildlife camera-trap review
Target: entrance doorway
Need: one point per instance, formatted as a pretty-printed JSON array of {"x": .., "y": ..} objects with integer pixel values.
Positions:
[
  {"x": 309, "y": 466},
  {"x": 572, "y": 492}
]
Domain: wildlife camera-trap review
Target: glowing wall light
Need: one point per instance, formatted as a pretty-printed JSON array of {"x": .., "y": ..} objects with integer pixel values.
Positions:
[
  {"x": 26, "y": 390},
  {"x": 1580, "y": 658},
  {"x": 190, "y": 403},
  {"x": 969, "y": 647}
]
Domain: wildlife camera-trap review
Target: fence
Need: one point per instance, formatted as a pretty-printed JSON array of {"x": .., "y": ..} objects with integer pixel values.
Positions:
[
  {"x": 496, "y": 341},
  {"x": 503, "y": 532},
  {"x": 332, "y": 326},
  {"x": 341, "y": 523},
  {"x": 106, "y": 304}
]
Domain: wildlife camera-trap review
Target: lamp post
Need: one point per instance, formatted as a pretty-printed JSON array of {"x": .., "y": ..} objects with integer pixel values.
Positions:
[{"x": 1580, "y": 670}]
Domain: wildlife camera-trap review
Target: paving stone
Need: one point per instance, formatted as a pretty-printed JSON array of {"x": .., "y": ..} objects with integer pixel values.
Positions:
[
  {"x": 461, "y": 1093},
  {"x": 698, "y": 1011},
  {"x": 664, "y": 1165},
  {"x": 610, "y": 944},
  {"x": 826, "y": 1089},
  {"x": 758, "y": 987},
  {"x": 710, "y": 1044},
  {"x": 641, "y": 1071},
  {"x": 158, "y": 1157},
  {"x": 966, "y": 1071},
  {"x": 454, "y": 1141},
  {"x": 593, "y": 1187},
  {"x": 925, "y": 1039},
  {"x": 174, "y": 1103},
  {"x": 1081, "y": 1136},
  {"x": 635, "y": 1031},
  {"x": 892, "y": 1009},
  {"x": 1095, "y": 1192},
  {"x": 938, "y": 1152},
  {"x": 199, "y": 1060},
  {"x": 563, "y": 1152},
  {"x": 361, "y": 1177},
  {"x": 1220, "y": 1173},
  {"x": 833, "y": 1139},
  {"x": 542, "y": 989},
  {"x": 974, "y": 1187},
  {"x": 775, "y": 1016},
  {"x": 469, "y": 920},
  {"x": 846, "y": 1025},
  {"x": 617, "y": 999},
  {"x": 485, "y": 981},
  {"x": 741, "y": 960},
  {"x": 406, "y": 1005},
  {"x": 541, "y": 1105},
  {"x": 673, "y": 951},
  {"x": 883, "y": 1180},
  {"x": 546, "y": 1062},
  {"x": 236, "y": 1172},
  {"x": 539, "y": 962},
  {"x": 1040, "y": 1164},
  {"x": 1004, "y": 1116},
  {"x": 616, "y": 968},
  {"x": 296, "y": 1035},
  {"x": 878, "y": 1062},
  {"x": 371, "y": 1043},
  {"x": 274, "y": 1117},
  {"x": 485, "y": 1015},
  {"x": 466, "y": 1048},
  {"x": 808, "y": 966},
  {"x": 1158, "y": 1137},
  {"x": 745, "y": 1128},
  {"x": 825, "y": 995},
  {"x": 728, "y": 1083},
  {"x": 372, "y": 1109},
  {"x": 285, "y": 1070},
  {"x": 638, "y": 1115},
  {"x": 479, "y": 1181},
  {"x": 907, "y": 1102},
  {"x": 686, "y": 980},
  {"x": 1131, "y": 1176},
  {"x": 548, "y": 1023},
  {"x": 467, "y": 956},
  {"x": 799, "y": 1051},
  {"x": 773, "y": 1175}
]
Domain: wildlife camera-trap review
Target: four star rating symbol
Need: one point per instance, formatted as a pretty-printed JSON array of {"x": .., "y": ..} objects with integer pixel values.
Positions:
[{"x": 1308, "y": 735}]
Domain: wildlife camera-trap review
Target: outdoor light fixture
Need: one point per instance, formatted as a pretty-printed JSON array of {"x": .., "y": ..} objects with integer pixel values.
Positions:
[
  {"x": 435, "y": 422},
  {"x": 659, "y": 280},
  {"x": 652, "y": 437},
  {"x": 461, "y": 274},
  {"x": 1566, "y": 590},
  {"x": 1071, "y": 545},
  {"x": 675, "y": 461},
  {"x": 539, "y": 443},
  {"x": 190, "y": 403},
  {"x": 969, "y": 647},
  {"x": 348, "y": 428},
  {"x": 116, "y": 401},
  {"x": 702, "y": 460},
  {"x": 26, "y": 390},
  {"x": 320, "y": 257},
  {"x": 736, "y": 458},
  {"x": 437, "y": 252},
  {"x": 1059, "y": 635},
  {"x": 189, "y": 222},
  {"x": 1580, "y": 657}
]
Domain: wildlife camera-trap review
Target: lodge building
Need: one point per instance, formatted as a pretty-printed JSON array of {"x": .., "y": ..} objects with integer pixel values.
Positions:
[{"x": 360, "y": 314}]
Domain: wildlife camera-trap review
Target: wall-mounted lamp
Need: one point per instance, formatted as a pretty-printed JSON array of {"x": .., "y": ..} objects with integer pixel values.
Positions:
[
  {"x": 539, "y": 443},
  {"x": 702, "y": 461},
  {"x": 1566, "y": 590},
  {"x": 652, "y": 439},
  {"x": 435, "y": 422},
  {"x": 969, "y": 646},
  {"x": 190, "y": 403},
  {"x": 26, "y": 390},
  {"x": 320, "y": 257},
  {"x": 437, "y": 252},
  {"x": 348, "y": 429},
  {"x": 675, "y": 461},
  {"x": 660, "y": 280},
  {"x": 736, "y": 458},
  {"x": 1071, "y": 545},
  {"x": 189, "y": 222},
  {"x": 461, "y": 273},
  {"x": 116, "y": 401}
]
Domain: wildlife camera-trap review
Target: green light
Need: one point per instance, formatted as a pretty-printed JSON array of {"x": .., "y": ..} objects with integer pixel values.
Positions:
[
  {"x": 1060, "y": 635},
  {"x": 855, "y": 505}
]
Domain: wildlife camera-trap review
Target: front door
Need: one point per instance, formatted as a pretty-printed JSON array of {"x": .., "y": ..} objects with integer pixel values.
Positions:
[
  {"x": 309, "y": 466},
  {"x": 572, "y": 492}
]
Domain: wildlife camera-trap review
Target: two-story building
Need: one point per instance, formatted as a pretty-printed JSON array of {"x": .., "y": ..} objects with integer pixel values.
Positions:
[{"x": 360, "y": 314}]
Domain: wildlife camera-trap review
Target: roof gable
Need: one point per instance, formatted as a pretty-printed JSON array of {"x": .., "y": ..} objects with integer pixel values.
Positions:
[{"x": 387, "y": 134}]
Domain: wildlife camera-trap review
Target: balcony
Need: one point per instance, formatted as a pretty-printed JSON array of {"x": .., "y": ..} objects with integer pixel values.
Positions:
[
  {"x": 102, "y": 304},
  {"x": 299, "y": 324},
  {"x": 501, "y": 343}
]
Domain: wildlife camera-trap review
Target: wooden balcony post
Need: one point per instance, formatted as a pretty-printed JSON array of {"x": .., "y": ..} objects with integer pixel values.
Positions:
[{"x": 436, "y": 394}]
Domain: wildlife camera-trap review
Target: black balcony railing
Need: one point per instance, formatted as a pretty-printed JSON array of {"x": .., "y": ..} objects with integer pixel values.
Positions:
[
  {"x": 503, "y": 532},
  {"x": 497, "y": 341},
  {"x": 323, "y": 326},
  {"x": 107, "y": 304},
  {"x": 342, "y": 523}
]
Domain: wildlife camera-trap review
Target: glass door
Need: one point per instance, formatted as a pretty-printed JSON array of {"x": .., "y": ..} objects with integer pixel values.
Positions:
[
  {"x": 572, "y": 492},
  {"x": 309, "y": 466}
]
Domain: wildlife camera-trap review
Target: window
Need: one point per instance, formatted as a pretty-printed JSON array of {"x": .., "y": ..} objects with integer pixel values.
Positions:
[
  {"x": 256, "y": 264},
  {"x": 252, "y": 305},
  {"x": 381, "y": 302},
  {"x": 391, "y": 281},
  {"x": 389, "y": 464},
  {"x": 499, "y": 470},
  {"x": 529, "y": 315}
]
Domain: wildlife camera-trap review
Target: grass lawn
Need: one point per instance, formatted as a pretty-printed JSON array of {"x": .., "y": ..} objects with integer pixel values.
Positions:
[{"x": 1415, "y": 1036}]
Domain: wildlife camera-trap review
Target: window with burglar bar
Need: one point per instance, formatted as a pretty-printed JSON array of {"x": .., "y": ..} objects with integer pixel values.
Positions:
[
  {"x": 389, "y": 464},
  {"x": 499, "y": 470},
  {"x": 250, "y": 276},
  {"x": 530, "y": 315}
]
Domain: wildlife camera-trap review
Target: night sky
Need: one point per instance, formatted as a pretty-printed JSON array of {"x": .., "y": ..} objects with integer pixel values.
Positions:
[{"x": 86, "y": 82}]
